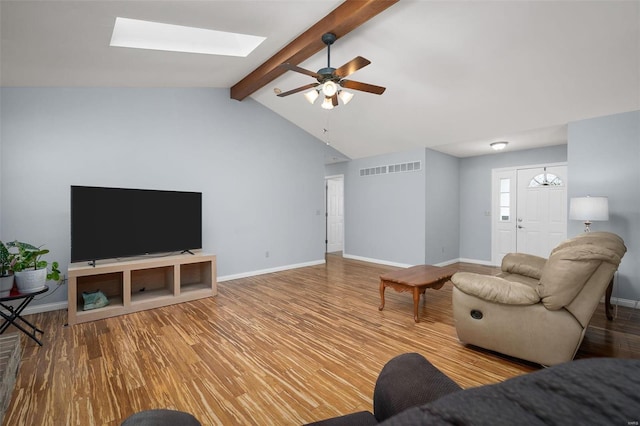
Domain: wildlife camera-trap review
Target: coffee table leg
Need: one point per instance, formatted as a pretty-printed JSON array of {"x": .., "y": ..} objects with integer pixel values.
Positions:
[
  {"x": 416, "y": 302},
  {"x": 382, "y": 287}
]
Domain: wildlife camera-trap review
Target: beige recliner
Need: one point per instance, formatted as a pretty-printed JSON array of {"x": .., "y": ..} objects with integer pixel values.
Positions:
[{"x": 537, "y": 309}]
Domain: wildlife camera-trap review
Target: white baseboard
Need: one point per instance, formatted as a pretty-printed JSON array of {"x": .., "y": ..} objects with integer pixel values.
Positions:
[
  {"x": 627, "y": 303},
  {"x": 406, "y": 265},
  {"x": 270, "y": 270},
  {"x": 477, "y": 262},
  {"x": 45, "y": 307},
  {"x": 447, "y": 262},
  {"x": 378, "y": 261}
]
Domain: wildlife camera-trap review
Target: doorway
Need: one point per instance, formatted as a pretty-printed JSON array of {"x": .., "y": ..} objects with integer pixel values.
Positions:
[
  {"x": 334, "y": 190},
  {"x": 530, "y": 210}
]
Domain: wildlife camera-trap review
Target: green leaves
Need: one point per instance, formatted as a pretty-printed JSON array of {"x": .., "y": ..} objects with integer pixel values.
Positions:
[
  {"x": 28, "y": 256},
  {"x": 5, "y": 260},
  {"x": 54, "y": 274}
]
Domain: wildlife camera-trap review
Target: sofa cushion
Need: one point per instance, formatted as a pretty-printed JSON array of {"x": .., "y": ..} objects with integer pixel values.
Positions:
[
  {"x": 495, "y": 289},
  {"x": 161, "y": 417},
  {"x": 598, "y": 391},
  {"x": 360, "y": 418},
  {"x": 408, "y": 380}
]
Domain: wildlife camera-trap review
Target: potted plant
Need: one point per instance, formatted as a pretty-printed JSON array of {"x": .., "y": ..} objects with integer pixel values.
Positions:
[
  {"x": 6, "y": 274},
  {"x": 30, "y": 270}
]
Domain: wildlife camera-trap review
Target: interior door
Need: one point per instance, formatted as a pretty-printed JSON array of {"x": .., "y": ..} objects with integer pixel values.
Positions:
[
  {"x": 541, "y": 211},
  {"x": 335, "y": 214}
]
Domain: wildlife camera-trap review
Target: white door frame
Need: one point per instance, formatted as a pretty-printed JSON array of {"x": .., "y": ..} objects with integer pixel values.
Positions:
[
  {"x": 495, "y": 194},
  {"x": 326, "y": 214}
]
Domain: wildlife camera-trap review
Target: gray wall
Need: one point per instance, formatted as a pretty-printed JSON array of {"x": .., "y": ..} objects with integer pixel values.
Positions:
[
  {"x": 261, "y": 177},
  {"x": 336, "y": 169},
  {"x": 385, "y": 214},
  {"x": 384, "y": 222},
  {"x": 475, "y": 194},
  {"x": 604, "y": 160},
  {"x": 442, "y": 199},
  {"x": 402, "y": 218}
]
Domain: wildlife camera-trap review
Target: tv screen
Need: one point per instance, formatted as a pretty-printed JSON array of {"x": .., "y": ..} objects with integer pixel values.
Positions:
[{"x": 116, "y": 222}]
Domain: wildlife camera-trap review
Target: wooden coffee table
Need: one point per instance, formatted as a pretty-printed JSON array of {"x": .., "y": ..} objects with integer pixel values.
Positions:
[{"x": 416, "y": 279}]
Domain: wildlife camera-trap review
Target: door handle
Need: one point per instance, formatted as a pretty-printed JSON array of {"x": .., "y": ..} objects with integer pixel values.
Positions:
[{"x": 520, "y": 226}]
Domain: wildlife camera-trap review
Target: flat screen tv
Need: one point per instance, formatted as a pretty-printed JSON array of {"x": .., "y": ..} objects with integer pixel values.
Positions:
[{"x": 111, "y": 223}]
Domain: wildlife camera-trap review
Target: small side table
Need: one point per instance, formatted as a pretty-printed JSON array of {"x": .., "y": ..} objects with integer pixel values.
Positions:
[
  {"x": 415, "y": 279},
  {"x": 11, "y": 314}
]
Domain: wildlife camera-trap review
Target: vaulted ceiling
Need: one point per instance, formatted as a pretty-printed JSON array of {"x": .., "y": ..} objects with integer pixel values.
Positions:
[{"x": 459, "y": 74}]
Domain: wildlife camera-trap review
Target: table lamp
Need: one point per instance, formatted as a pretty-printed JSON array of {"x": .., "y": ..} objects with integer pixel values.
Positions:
[{"x": 588, "y": 209}]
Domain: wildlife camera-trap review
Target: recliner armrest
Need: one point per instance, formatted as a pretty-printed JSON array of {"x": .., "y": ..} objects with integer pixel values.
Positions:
[
  {"x": 495, "y": 289},
  {"x": 523, "y": 264}
]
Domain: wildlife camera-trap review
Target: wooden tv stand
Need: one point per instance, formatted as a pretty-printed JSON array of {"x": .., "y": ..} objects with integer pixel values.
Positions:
[{"x": 137, "y": 285}]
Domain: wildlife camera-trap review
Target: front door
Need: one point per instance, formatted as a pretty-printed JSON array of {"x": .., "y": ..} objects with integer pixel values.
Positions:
[
  {"x": 541, "y": 209},
  {"x": 529, "y": 208}
]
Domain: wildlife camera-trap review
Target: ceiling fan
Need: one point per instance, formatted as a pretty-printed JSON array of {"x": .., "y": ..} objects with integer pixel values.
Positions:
[{"x": 332, "y": 80}]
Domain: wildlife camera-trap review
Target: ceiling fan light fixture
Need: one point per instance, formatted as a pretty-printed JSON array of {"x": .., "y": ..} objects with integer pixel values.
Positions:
[
  {"x": 311, "y": 96},
  {"x": 327, "y": 103},
  {"x": 345, "y": 97},
  {"x": 329, "y": 88},
  {"x": 331, "y": 80},
  {"x": 499, "y": 146}
]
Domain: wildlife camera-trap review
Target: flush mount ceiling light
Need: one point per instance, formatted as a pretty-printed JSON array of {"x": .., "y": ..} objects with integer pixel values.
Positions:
[
  {"x": 498, "y": 146},
  {"x": 139, "y": 34}
]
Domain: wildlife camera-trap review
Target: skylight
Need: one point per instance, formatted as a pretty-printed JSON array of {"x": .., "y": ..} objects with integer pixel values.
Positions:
[{"x": 139, "y": 34}]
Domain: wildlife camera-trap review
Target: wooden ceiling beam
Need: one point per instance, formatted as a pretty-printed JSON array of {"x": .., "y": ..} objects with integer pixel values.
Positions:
[{"x": 342, "y": 20}]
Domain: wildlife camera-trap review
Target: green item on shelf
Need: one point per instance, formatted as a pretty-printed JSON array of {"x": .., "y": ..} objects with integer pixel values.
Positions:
[{"x": 94, "y": 299}]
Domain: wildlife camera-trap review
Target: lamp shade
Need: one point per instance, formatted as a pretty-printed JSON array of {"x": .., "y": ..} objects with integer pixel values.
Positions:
[{"x": 589, "y": 208}]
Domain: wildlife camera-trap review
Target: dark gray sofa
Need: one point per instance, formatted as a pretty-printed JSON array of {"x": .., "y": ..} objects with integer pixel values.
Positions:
[{"x": 411, "y": 391}]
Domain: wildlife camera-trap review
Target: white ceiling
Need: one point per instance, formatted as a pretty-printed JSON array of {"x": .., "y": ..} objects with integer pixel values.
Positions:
[{"x": 459, "y": 74}]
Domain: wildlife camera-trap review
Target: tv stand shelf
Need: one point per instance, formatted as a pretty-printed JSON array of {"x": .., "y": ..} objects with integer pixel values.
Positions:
[{"x": 140, "y": 284}]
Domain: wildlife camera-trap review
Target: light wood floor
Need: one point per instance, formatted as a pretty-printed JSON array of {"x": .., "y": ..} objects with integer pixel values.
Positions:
[{"x": 283, "y": 348}]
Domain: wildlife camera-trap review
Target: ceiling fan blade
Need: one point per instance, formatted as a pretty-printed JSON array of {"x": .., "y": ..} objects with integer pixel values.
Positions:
[
  {"x": 364, "y": 87},
  {"x": 334, "y": 100},
  {"x": 296, "y": 68},
  {"x": 299, "y": 89},
  {"x": 352, "y": 66}
]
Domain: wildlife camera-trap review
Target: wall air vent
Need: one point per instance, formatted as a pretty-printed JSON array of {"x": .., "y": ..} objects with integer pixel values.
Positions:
[{"x": 412, "y": 166}]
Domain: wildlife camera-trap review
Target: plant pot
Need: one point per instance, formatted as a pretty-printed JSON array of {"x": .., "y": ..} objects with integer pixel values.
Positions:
[
  {"x": 6, "y": 284},
  {"x": 31, "y": 280}
]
